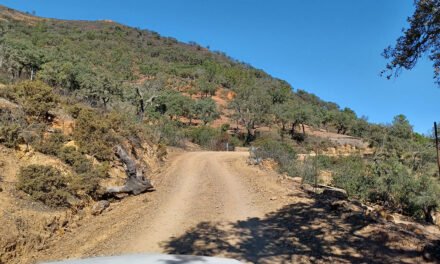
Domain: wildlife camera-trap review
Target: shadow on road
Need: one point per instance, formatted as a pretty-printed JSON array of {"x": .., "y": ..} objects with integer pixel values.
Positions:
[{"x": 302, "y": 232}]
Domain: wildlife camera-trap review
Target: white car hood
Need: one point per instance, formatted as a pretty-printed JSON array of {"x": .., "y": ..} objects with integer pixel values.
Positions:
[{"x": 150, "y": 258}]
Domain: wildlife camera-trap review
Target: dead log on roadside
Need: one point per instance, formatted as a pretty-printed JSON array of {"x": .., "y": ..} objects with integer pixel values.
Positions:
[{"x": 136, "y": 181}]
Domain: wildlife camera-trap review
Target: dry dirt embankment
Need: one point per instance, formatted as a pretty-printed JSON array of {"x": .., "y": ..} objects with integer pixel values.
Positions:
[{"x": 212, "y": 203}]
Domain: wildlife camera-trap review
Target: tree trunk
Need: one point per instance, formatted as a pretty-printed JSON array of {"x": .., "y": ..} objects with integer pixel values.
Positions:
[
  {"x": 105, "y": 101},
  {"x": 249, "y": 136},
  {"x": 136, "y": 182},
  {"x": 427, "y": 213},
  {"x": 304, "y": 131},
  {"x": 150, "y": 100},
  {"x": 283, "y": 130},
  {"x": 292, "y": 130},
  {"x": 141, "y": 106}
]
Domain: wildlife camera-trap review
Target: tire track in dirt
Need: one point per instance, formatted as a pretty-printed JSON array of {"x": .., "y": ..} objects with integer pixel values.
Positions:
[{"x": 203, "y": 190}]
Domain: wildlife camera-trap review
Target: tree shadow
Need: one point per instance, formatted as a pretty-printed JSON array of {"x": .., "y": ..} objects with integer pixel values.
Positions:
[{"x": 302, "y": 233}]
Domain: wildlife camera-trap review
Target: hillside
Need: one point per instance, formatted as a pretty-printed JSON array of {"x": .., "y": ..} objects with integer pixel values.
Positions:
[
  {"x": 89, "y": 111},
  {"x": 102, "y": 62}
]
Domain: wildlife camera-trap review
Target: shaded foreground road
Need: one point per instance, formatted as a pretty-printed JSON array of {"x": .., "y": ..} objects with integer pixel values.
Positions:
[{"x": 212, "y": 203}]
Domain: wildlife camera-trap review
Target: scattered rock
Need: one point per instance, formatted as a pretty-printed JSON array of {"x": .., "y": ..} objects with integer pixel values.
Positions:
[
  {"x": 269, "y": 164},
  {"x": 71, "y": 144},
  {"x": 121, "y": 195},
  {"x": 436, "y": 218},
  {"x": 359, "y": 219},
  {"x": 99, "y": 207},
  {"x": 335, "y": 193},
  {"x": 297, "y": 179},
  {"x": 308, "y": 187},
  {"x": 389, "y": 218},
  {"x": 273, "y": 198},
  {"x": 339, "y": 206},
  {"x": 253, "y": 159},
  {"x": 380, "y": 213},
  {"x": 345, "y": 206}
]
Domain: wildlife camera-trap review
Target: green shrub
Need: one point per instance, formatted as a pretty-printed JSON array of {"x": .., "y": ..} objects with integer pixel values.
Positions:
[
  {"x": 168, "y": 132},
  {"x": 234, "y": 141},
  {"x": 74, "y": 110},
  {"x": 426, "y": 198},
  {"x": 87, "y": 175},
  {"x": 225, "y": 127},
  {"x": 52, "y": 144},
  {"x": 350, "y": 175},
  {"x": 282, "y": 153},
  {"x": 204, "y": 136},
  {"x": 324, "y": 162},
  {"x": 45, "y": 184},
  {"x": 87, "y": 184},
  {"x": 78, "y": 161},
  {"x": 308, "y": 170},
  {"x": 388, "y": 182},
  {"x": 10, "y": 134},
  {"x": 11, "y": 128},
  {"x": 35, "y": 97},
  {"x": 94, "y": 135}
]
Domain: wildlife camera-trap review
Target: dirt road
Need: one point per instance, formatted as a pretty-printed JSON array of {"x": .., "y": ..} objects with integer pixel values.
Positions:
[
  {"x": 203, "y": 188},
  {"x": 213, "y": 203}
]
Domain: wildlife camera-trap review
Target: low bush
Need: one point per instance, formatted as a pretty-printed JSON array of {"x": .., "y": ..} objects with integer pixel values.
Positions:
[
  {"x": 87, "y": 175},
  {"x": 52, "y": 144},
  {"x": 234, "y": 141},
  {"x": 36, "y": 98},
  {"x": 225, "y": 127},
  {"x": 204, "y": 136},
  {"x": 94, "y": 135},
  {"x": 282, "y": 153},
  {"x": 10, "y": 134},
  {"x": 388, "y": 182},
  {"x": 87, "y": 184},
  {"x": 349, "y": 174},
  {"x": 426, "y": 198},
  {"x": 45, "y": 184},
  {"x": 168, "y": 132},
  {"x": 11, "y": 128},
  {"x": 78, "y": 161}
]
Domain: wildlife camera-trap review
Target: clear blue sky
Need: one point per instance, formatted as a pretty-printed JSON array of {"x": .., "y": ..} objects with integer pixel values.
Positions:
[{"x": 330, "y": 48}]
